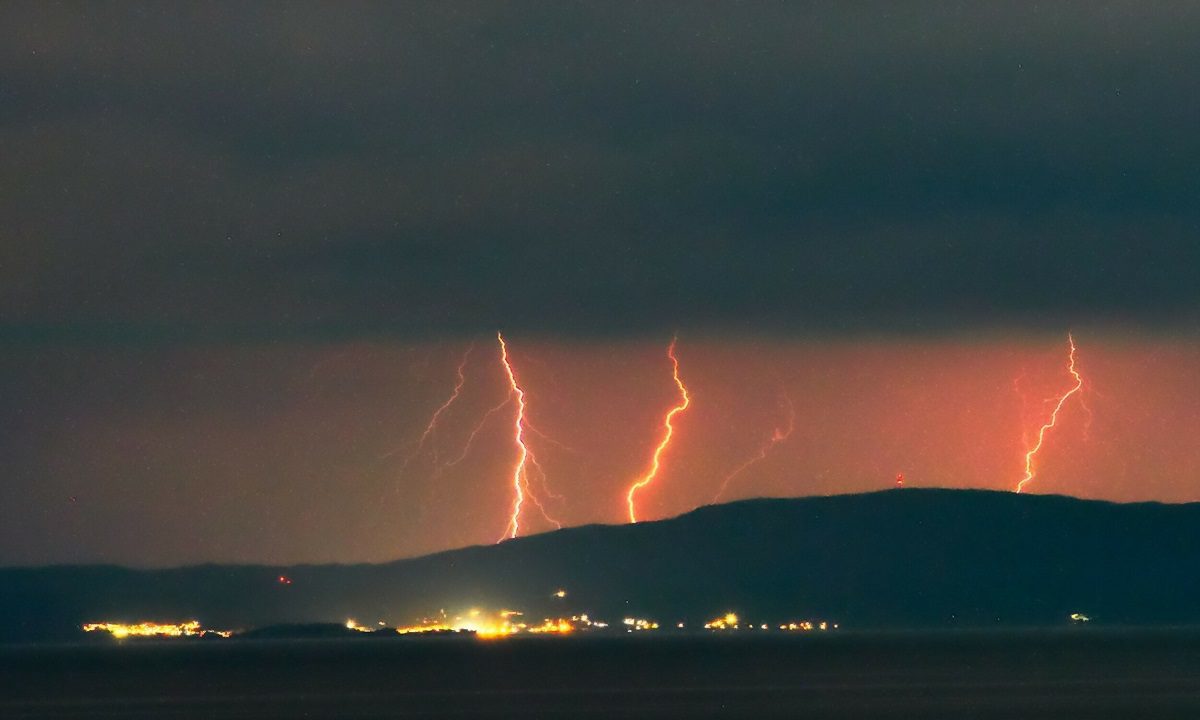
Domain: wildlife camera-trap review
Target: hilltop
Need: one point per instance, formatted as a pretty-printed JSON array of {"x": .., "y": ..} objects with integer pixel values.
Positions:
[{"x": 909, "y": 558}]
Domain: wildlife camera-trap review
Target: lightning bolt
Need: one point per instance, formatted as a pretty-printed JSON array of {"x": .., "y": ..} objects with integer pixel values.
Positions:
[
  {"x": 1062, "y": 400},
  {"x": 431, "y": 427},
  {"x": 475, "y": 433},
  {"x": 533, "y": 498},
  {"x": 525, "y": 458},
  {"x": 684, "y": 401},
  {"x": 534, "y": 429},
  {"x": 778, "y": 435}
]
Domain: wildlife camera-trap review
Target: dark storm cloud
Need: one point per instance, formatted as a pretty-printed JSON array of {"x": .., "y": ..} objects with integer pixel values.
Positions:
[{"x": 220, "y": 169}]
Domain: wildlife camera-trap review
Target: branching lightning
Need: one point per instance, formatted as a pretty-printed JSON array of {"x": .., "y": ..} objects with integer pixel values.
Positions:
[
  {"x": 684, "y": 401},
  {"x": 475, "y": 433},
  {"x": 525, "y": 458},
  {"x": 1032, "y": 452},
  {"x": 430, "y": 432},
  {"x": 530, "y": 427},
  {"x": 778, "y": 435},
  {"x": 532, "y": 496},
  {"x": 437, "y": 414}
]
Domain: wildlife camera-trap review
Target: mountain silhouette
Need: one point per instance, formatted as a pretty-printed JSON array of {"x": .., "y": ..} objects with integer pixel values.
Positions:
[{"x": 910, "y": 558}]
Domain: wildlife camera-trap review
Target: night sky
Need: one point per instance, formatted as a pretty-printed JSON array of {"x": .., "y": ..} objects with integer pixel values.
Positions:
[{"x": 245, "y": 248}]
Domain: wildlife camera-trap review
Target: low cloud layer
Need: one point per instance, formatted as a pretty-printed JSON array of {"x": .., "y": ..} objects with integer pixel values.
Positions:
[{"x": 216, "y": 170}]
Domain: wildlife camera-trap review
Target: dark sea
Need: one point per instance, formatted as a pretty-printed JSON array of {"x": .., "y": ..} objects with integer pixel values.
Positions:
[{"x": 1078, "y": 673}]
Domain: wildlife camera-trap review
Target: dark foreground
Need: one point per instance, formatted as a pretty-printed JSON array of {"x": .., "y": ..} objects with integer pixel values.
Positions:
[{"x": 1068, "y": 674}]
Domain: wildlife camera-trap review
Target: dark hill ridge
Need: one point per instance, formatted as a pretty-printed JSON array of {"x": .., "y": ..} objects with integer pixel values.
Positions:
[{"x": 900, "y": 558}]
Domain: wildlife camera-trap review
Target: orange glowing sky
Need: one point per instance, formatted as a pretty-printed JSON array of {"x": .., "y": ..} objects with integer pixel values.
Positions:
[{"x": 288, "y": 454}]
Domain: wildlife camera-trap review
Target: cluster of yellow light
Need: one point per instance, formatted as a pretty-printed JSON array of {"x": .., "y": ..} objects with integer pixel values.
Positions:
[
  {"x": 487, "y": 624},
  {"x": 500, "y": 624},
  {"x": 728, "y": 621},
  {"x": 483, "y": 625},
  {"x": 807, "y": 626},
  {"x": 731, "y": 622},
  {"x": 190, "y": 628},
  {"x": 417, "y": 629},
  {"x": 548, "y": 625},
  {"x": 586, "y": 622}
]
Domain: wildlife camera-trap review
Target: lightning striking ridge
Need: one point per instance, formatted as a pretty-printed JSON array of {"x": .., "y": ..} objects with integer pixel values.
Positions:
[
  {"x": 525, "y": 457},
  {"x": 1062, "y": 400},
  {"x": 684, "y": 401},
  {"x": 541, "y": 475},
  {"x": 533, "y": 498},
  {"x": 778, "y": 435},
  {"x": 437, "y": 414}
]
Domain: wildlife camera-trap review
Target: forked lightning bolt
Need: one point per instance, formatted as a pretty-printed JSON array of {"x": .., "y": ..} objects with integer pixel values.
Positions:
[
  {"x": 520, "y": 472},
  {"x": 437, "y": 414},
  {"x": 1062, "y": 400},
  {"x": 778, "y": 435},
  {"x": 669, "y": 430},
  {"x": 475, "y": 433}
]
